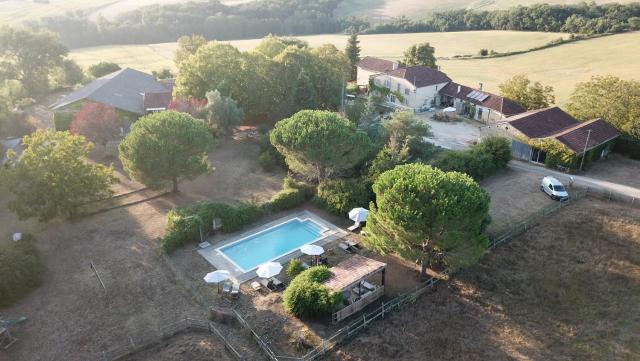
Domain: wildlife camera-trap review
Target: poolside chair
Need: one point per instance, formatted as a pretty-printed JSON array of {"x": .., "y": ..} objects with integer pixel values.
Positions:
[
  {"x": 277, "y": 284},
  {"x": 226, "y": 288},
  {"x": 353, "y": 244},
  {"x": 268, "y": 284},
  {"x": 235, "y": 290}
]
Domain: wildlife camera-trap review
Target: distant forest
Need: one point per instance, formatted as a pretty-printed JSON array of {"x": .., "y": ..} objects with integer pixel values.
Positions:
[{"x": 214, "y": 20}]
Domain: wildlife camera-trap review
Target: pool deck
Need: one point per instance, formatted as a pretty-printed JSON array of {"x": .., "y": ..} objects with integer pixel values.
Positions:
[{"x": 217, "y": 260}]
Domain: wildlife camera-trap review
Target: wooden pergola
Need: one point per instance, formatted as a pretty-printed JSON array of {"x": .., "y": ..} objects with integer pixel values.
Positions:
[{"x": 350, "y": 276}]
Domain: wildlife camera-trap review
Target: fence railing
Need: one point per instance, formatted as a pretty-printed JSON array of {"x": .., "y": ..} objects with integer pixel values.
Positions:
[{"x": 140, "y": 342}]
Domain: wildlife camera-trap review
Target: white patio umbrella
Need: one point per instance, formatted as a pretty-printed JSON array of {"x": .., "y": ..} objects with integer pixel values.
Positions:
[
  {"x": 449, "y": 109},
  {"x": 358, "y": 215},
  {"x": 269, "y": 269},
  {"x": 217, "y": 277},
  {"x": 312, "y": 250}
]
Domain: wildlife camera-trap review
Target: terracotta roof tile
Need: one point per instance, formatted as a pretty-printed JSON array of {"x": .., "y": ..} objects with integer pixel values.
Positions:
[
  {"x": 576, "y": 137},
  {"x": 420, "y": 76},
  {"x": 498, "y": 103},
  {"x": 376, "y": 64},
  {"x": 542, "y": 123}
]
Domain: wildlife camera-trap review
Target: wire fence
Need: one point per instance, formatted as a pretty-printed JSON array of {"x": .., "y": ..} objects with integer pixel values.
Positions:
[{"x": 144, "y": 341}]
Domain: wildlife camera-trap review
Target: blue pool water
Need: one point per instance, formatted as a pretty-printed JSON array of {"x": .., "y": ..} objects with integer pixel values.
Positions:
[{"x": 250, "y": 252}]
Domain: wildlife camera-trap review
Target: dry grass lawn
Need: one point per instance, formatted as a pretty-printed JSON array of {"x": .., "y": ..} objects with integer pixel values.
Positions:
[
  {"x": 155, "y": 56},
  {"x": 565, "y": 290},
  {"x": 71, "y": 317}
]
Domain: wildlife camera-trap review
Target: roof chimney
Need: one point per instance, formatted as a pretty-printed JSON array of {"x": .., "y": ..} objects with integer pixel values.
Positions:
[
  {"x": 459, "y": 88},
  {"x": 480, "y": 86}
]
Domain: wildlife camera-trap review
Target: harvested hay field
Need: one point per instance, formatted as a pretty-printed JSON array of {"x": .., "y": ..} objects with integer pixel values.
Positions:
[
  {"x": 185, "y": 347},
  {"x": 565, "y": 290}
]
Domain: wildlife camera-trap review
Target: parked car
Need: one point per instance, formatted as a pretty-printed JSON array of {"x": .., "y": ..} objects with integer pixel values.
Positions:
[{"x": 554, "y": 188}]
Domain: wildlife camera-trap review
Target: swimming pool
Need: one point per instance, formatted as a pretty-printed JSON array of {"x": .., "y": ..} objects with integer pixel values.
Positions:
[{"x": 272, "y": 243}]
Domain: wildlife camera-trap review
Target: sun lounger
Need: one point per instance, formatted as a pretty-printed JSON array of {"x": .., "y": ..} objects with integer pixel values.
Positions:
[
  {"x": 266, "y": 284},
  {"x": 353, "y": 244},
  {"x": 235, "y": 290},
  {"x": 345, "y": 247},
  {"x": 354, "y": 227},
  {"x": 277, "y": 284}
]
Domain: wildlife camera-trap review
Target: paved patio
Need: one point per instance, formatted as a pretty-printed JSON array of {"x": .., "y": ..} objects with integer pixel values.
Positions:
[
  {"x": 452, "y": 135},
  {"x": 213, "y": 255}
]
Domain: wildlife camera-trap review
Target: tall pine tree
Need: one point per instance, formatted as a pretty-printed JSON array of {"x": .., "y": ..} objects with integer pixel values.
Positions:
[{"x": 353, "y": 53}]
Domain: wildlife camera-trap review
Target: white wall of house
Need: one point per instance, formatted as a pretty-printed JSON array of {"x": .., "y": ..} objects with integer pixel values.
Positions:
[
  {"x": 363, "y": 76},
  {"x": 412, "y": 97},
  {"x": 487, "y": 115}
]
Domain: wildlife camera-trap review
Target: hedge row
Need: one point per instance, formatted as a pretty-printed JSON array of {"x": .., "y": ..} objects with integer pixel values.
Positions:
[
  {"x": 185, "y": 223},
  {"x": 480, "y": 161},
  {"x": 307, "y": 297},
  {"x": 21, "y": 270},
  {"x": 339, "y": 196}
]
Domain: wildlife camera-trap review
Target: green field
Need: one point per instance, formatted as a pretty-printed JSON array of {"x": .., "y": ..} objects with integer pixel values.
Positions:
[
  {"x": 156, "y": 56},
  {"x": 561, "y": 67},
  {"x": 384, "y": 9}
]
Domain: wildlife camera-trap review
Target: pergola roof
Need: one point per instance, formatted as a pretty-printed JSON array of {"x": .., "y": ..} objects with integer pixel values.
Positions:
[{"x": 351, "y": 271}]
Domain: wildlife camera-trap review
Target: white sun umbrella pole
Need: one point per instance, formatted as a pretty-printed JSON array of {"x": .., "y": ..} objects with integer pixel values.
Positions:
[
  {"x": 269, "y": 269},
  {"x": 358, "y": 215}
]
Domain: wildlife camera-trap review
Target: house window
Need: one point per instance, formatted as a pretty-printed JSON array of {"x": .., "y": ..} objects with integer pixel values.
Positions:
[
  {"x": 387, "y": 83},
  {"x": 406, "y": 92},
  {"x": 398, "y": 87},
  {"x": 392, "y": 98}
]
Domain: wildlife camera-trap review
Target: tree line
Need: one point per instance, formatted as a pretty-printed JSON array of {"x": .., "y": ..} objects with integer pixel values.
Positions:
[
  {"x": 212, "y": 19},
  {"x": 584, "y": 18}
]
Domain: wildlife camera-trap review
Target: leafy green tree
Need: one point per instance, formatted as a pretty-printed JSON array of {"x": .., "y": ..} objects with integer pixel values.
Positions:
[
  {"x": 270, "y": 46},
  {"x": 387, "y": 159},
  {"x": 222, "y": 113},
  {"x": 164, "y": 73},
  {"x": 305, "y": 93},
  {"x": 429, "y": 216},
  {"x": 320, "y": 144},
  {"x": 102, "y": 68},
  {"x": 353, "y": 53},
  {"x": 166, "y": 147},
  {"x": 334, "y": 58},
  {"x": 529, "y": 95},
  {"x": 67, "y": 75},
  {"x": 52, "y": 177},
  {"x": 187, "y": 46},
  {"x": 615, "y": 100},
  {"x": 420, "y": 54},
  {"x": 30, "y": 56},
  {"x": 402, "y": 126}
]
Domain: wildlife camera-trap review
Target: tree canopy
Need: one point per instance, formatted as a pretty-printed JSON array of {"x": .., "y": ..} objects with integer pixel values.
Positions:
[
  {"x": 102, "y": 68},
  {"x": 428, "y": 215},
  {"x": 353, "y": 53},
  {"x": 166, "y": 147},
  {"x": 420, "y": 54},
  {"x": 529, "y": 95},
  {"x": 97, "y": 122},
  {"x": 320, "y": 144},
  {"x": 222, "y": 113},
  {"x": 187, "y": 46},
  {"x": 615, "y": 100},
  {"x": 29, "y": 57},
  {"x": 52, "y": 177}
]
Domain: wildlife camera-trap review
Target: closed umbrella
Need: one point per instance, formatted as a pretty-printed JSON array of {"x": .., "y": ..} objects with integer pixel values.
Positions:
[
  {"x": 269, "y": 269},
  {"x": 358, "y": 215},
  {"x": 312, "y": 250}
]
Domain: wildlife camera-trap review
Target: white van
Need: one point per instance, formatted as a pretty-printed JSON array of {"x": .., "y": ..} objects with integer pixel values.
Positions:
[{"x": 554, "y": 188}]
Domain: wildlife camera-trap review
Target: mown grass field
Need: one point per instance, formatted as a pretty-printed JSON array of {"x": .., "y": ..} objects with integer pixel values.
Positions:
[
  {"x": 155, "y": 56},
  {"x": 378, "y": 10},
  {"x": 561, "y": 67}
]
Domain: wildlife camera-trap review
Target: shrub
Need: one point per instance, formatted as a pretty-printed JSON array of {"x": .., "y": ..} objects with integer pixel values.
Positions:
[
  {"x": 294, "y": 268},
  {"x": 307, "y": 297},
  {"x": 292, "y": 195},
  {"x": 269, "y": 159},
  {"x": 62, "y": 120},
  {"x": 341, "y": 195},
  {"x": 480, "y": 161},
  {"x": 183, "y": 224},
  {"x": 21, "y": 270}
]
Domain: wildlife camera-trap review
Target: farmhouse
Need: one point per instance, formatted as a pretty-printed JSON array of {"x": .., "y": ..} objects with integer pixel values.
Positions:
[
  {"x": 420, "y": 87},
  {"x": 478, "y": 104},
  {"x": 128, "y": 90},
  {"x": 537, "y": 134}
]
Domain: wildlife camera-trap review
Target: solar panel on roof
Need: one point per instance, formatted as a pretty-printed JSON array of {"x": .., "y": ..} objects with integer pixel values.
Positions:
[
  {"x": 483, "y": 97},
  {"x": 472, "y": 94}
]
